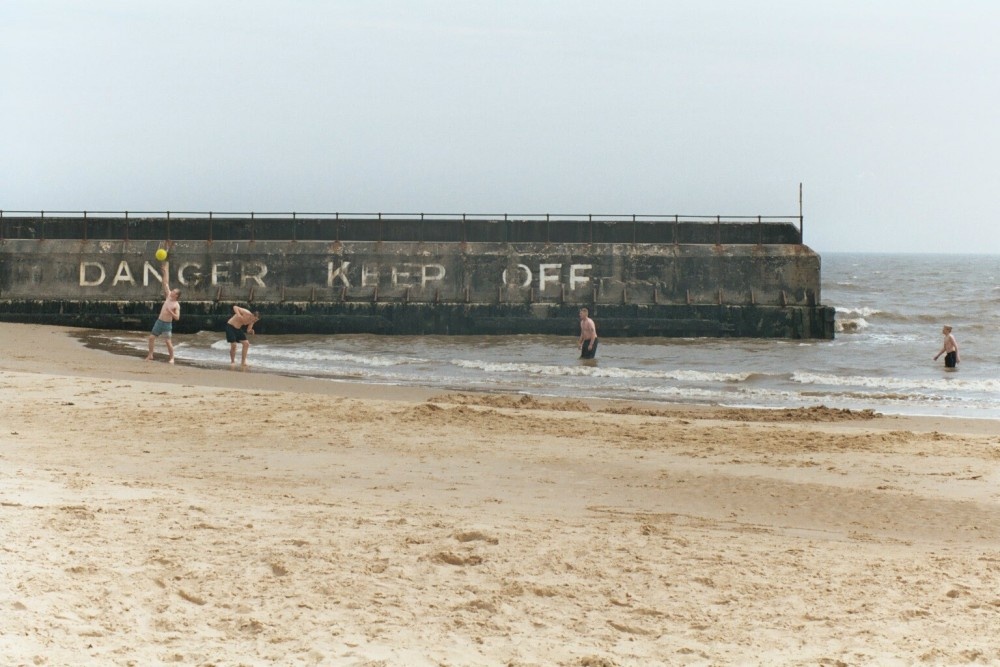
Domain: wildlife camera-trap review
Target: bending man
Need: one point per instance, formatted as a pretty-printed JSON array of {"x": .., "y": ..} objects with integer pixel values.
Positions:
[{"x": 235, "y": 334}]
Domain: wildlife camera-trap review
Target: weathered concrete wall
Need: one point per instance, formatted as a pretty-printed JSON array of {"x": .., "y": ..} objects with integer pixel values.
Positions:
[
  {"x": 275, "y": 271},
  {"x": 672, "y": 289}
]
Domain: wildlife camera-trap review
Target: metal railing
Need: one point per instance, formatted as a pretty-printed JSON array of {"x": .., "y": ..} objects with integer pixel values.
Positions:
[
  {"x": 129, "y": 224},
  {"x": 337, "y": 215}
]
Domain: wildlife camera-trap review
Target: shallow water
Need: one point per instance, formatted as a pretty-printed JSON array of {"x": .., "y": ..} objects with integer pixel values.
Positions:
[{"x": 890, "y": 310}]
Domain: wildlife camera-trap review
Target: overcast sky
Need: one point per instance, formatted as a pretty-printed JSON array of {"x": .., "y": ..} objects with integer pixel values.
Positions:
[{"x": 886, "y": 111}]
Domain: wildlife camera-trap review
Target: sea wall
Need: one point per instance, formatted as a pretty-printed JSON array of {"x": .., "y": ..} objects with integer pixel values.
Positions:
[{"x": 665, "y": 285}]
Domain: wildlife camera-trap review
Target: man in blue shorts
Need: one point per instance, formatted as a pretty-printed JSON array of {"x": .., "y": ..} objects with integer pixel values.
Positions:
[{"x": 169, "y": 313}]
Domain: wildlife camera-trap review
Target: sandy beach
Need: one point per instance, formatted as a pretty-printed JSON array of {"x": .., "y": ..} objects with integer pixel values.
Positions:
[{"x": 168, "y": 514}]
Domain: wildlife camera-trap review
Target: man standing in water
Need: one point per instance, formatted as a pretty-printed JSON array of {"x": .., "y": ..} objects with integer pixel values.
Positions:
[
  {"x": 235, "y": 333},
  {"x": 169, "y": 313},
  {"x": 588, "y": 335},
  {"x": 949, "y": 348}
]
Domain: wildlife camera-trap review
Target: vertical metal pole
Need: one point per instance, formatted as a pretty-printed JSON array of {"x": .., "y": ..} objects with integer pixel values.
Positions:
[{"x": 801, "y": 236}]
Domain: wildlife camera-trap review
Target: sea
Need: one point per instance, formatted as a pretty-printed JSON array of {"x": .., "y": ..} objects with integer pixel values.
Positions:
[{"x": 890, "y": 309}]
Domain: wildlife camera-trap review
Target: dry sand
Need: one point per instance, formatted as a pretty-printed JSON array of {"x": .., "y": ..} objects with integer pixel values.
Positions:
[{"x": 154, "y": 514}]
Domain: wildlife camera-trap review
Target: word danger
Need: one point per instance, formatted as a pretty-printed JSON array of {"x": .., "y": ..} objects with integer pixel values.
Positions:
[{"x": 93, "y": 274}]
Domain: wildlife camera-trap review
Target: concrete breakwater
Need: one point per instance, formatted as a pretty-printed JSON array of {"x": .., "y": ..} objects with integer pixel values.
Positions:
[{"x": 410, "y": 276}]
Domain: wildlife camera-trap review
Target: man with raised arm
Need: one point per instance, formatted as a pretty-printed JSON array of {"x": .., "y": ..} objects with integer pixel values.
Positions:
[
  {"x": 169, "y": 313},
  {"x": 235, "y": 333}
]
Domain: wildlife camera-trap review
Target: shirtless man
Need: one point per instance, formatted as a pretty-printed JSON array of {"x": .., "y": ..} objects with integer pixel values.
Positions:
[
  {"x": 588, "y": 335},
  {"x": 169, "y": 313},
  {"x": 235, "y": 333},
  {"x": 949, "y": 348}
]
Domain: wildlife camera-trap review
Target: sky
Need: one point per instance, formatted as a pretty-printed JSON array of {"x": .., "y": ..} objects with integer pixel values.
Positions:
[{"x": 885, "y": 112}]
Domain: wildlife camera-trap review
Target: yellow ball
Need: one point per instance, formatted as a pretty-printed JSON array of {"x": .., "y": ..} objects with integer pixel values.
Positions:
[{"x": 161, "y": 254}]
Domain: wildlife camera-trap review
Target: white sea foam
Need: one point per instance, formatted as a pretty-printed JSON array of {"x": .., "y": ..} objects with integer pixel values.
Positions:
[
  {"x": 950, "y": 384},
  {"x": 685, "y": 393},
  {"x": 863, "y": 311},
  {"x": 599, "y": 372},
  {"x": 850, "y": 326},
  {"x": 314, "y": 355}
]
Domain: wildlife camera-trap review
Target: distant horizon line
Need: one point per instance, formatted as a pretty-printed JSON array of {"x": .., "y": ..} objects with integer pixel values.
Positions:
[{"x": 906, "y": 252}]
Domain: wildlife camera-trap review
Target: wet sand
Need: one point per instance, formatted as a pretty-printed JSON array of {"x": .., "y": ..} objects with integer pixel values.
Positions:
[{"x": 158, "y": 514}]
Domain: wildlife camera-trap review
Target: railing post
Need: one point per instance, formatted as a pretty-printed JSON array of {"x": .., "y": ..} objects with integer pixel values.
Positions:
[
  {"x": 295, "y": 227},
  {"x": 253, "y": 228},
  {"x": 211, "y": 229},
  {"x": 718, "y": 230},
  {"x": 801, "y": 219},
  {"x": 168, "y": 225},
  {"x": 42, "y": 229},
  {"x": 126, "y": 225},
  {"x": 84, "y": 225}
]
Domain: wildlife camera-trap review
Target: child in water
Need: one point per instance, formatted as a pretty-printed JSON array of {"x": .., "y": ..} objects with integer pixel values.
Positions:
[{"x": 949, "y": 348}]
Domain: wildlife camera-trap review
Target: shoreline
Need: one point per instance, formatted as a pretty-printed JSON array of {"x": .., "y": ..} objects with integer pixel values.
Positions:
[
  {"x": 157, "y": 513},
  {"x": 93, "y": 340},
  {"x": 75, "y": 352}
]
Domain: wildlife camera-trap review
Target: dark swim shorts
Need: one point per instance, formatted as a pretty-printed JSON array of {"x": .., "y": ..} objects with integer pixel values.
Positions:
[
  {"x": 950, "y": 359},
  {"x": 234, "y": 335},
  {"x": 589, "y": 349}
]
